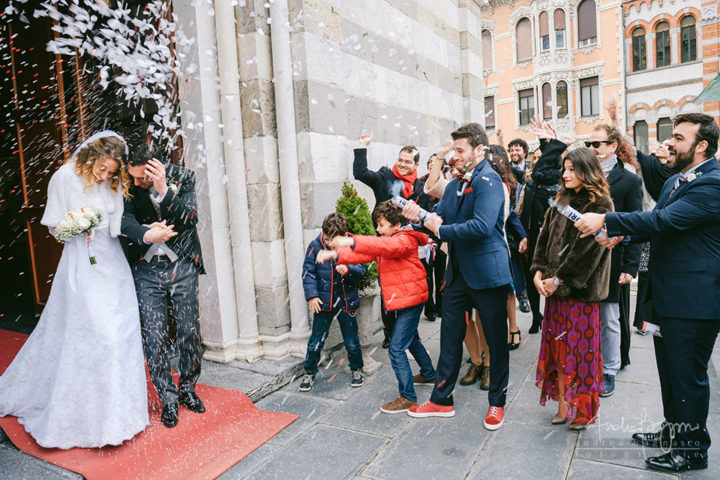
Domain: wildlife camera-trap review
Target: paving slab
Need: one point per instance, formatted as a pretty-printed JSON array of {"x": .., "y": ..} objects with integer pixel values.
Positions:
[
  {"x": 322, "y": 452},
  {"x": 436, "y": 447},
  {"x": 311, "y": 410},
  {"x": 243, "y": 469},
  {"x": 581, "y": 469},
  {"x": 499, "y": 457},
  {"x": 362, "y": 411},
  {"x": 16, "y": 465}
]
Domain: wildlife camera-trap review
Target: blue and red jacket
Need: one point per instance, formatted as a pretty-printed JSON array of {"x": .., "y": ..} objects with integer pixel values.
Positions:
[{"x": 321, "y": 280}]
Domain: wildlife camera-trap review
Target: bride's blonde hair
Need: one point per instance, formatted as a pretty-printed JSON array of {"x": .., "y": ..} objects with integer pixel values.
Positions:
[{"x": 105, "y": 147}]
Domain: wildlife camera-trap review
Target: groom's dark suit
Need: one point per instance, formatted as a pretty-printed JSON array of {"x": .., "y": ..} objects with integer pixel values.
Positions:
[
  {"x": 684, "y": 268},
  {"x": 171, "y": 275}
]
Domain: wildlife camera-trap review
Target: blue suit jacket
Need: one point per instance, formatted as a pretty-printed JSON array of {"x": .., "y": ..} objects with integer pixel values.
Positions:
[
  {"x": 473, "y": 226},
  {"x": 684, "y": 231}
]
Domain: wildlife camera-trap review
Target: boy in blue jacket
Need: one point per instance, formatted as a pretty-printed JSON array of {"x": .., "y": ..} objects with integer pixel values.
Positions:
[{"x": 331, "y": 291}]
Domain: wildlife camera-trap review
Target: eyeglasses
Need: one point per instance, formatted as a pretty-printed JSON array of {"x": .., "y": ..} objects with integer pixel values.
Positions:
[{"x": 597, "y": 143}]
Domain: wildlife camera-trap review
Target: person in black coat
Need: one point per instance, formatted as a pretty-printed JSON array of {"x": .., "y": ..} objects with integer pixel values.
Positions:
[
  {"x": 626, "y": 194},
  {"x": 654, "y": 174},
  {"x": 163, "y": 249},
  {"x": 543, "y": 184},
  {"x": 401, "y": 179}
]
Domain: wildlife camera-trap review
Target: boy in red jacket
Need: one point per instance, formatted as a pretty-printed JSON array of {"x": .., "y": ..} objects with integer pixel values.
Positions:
[{"x": 404, "y": 290}]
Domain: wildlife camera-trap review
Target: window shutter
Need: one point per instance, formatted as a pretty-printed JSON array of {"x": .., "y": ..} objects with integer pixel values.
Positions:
[{"x": 587, "y": 25}]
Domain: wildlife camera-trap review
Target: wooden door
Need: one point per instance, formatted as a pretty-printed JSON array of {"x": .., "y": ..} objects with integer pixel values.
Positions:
[{"x": 41, "y": 107}]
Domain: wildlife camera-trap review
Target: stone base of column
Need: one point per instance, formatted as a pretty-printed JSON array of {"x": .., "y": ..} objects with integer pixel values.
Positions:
[{"x": 245, "y": 349}]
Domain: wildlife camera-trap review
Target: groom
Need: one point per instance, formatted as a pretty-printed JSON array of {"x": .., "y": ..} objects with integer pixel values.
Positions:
[{"x": 160, "y": 221}]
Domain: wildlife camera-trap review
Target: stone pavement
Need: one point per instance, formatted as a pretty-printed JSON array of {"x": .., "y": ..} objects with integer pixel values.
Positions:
[{"x": 342, "y": 434}]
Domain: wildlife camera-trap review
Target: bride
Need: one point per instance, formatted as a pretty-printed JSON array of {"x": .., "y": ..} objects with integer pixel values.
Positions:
[{"x": 79, "y": 380}]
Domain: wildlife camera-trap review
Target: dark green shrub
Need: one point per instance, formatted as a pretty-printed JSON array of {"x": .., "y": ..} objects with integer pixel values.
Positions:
[{"x": 355, "y": 208}]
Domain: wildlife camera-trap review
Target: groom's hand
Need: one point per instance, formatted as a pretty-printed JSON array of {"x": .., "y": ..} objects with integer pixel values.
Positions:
[
  {"x": 155, "y": 171},
  {"x": 159, "y": 233}
]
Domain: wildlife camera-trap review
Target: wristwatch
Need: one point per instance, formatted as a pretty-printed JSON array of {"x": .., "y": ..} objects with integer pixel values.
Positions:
[{"x": 556, "y": 281}]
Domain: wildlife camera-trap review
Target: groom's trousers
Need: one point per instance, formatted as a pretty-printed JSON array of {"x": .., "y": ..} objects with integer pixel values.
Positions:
[{"x": 158, "y": 282}]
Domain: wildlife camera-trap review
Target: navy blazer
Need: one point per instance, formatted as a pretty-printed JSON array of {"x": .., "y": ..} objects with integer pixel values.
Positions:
[
  {"x": 684, "y": 231},
  {"x": 473, "y": 226}
]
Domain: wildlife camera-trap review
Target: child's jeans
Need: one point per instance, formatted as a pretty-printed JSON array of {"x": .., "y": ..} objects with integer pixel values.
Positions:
[
  {"x": 321, "y": 325},
  {"x": 404, "y": 337}
]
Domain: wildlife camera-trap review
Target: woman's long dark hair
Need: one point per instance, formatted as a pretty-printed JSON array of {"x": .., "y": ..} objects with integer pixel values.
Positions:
[
  {"x": 587, "y": 168},
  {"x": 498, "y": 159}
]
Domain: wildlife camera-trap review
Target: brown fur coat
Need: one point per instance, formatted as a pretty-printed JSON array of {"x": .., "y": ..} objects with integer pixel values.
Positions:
[{"x": 581, "y": 263}]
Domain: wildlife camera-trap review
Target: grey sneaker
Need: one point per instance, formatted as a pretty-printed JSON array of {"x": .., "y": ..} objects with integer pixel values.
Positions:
[
  {"x": 357, "y": 379},
  {"x": 307, "y": 382}
]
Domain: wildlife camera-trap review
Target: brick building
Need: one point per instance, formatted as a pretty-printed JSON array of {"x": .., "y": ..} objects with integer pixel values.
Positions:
[
  {"x": 671, "y": 51},
  {"x": 560, "y": 59}
]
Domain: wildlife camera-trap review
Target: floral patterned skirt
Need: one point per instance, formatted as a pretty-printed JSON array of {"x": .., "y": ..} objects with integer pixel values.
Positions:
[{"x": 570, "y": 347}]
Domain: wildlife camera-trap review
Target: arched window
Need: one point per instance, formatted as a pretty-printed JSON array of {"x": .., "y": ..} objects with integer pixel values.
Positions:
[
  {"x": 688, "y": 39},
  {"x": 547, "y": 101},
  {"x": 587, "y": 23},
  {"x": 544, "y": 21},
  {"x": 559, "y": 26},
  {"x": 639, "y": 49},
  {"x": 561, "y": 94},
  {"x": 523, "y": 37},
  {"x": 662, "y": 44},
  {"x": 487, "y": 49}
]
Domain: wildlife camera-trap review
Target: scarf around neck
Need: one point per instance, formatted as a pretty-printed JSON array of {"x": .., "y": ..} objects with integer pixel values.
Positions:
[
  {"x": 608, "y": 165},
  {"x": 409, "y": 181}
]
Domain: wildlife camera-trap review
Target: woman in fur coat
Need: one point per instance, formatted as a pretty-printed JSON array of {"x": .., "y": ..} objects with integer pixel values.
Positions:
[{"x": 573, "y": 275}]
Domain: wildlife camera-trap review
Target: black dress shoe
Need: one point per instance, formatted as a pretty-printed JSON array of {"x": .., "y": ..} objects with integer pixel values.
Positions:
[
  {"x": 673, "y": 462},
  {"x": 536, "y": 324},
  {"x": 653, "y": 440},
  {"x": 170, "y": 415},
  {"x": 386, "y": 343},
  {"x": 524, "y": 305},
  {"x": 192, "y": 402}
]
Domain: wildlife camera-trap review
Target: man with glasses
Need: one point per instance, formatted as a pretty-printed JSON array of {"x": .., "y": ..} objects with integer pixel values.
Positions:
[
  {"x": 626, "y": 193},
  {"x": 402, "y": 179}
]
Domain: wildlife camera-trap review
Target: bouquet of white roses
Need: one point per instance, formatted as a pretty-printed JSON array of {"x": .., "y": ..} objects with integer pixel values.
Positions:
[{"x": 76, "y": 222}]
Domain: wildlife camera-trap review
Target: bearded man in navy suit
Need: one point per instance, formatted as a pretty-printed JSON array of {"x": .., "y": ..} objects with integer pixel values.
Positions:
[
  {"x": 684, "y": 268},
  {"x": 470, "y": 217}
]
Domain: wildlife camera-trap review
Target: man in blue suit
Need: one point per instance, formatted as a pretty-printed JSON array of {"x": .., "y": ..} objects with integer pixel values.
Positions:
[
  {"x": 684, "y": 268},
  {"x": 470, "y": 217}
]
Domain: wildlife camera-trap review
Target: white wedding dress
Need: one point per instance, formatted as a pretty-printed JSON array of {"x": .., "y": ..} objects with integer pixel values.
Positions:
[{"x": 79, "y": 380}]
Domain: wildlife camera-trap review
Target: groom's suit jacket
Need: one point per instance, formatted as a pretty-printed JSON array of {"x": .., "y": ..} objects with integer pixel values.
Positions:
[
  {"x": 684, "y": 231},
  {"x": 473, "y": 226},
  {"x": 178, "y": 208}
]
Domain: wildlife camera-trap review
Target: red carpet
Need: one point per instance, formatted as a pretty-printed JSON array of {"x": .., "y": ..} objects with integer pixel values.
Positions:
[{"x": 199, "y": 447}]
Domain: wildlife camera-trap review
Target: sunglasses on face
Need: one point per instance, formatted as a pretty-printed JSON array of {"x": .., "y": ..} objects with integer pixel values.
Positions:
[{"x": 596, "y": 144}]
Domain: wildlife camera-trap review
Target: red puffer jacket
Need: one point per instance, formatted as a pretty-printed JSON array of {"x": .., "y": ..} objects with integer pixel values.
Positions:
[{"x": 402, "y": 275}]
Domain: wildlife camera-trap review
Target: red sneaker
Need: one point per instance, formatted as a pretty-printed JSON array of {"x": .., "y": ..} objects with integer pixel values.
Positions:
[
  {"x": 430, "y": 409},
  {"x": 494, "y": 418}
]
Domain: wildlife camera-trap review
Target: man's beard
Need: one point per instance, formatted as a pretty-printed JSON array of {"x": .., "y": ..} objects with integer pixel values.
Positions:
[
  {"x": 682, "y": 159},
  {"x": 516, "y": 159},
  {"x": 462, "y": 164}
]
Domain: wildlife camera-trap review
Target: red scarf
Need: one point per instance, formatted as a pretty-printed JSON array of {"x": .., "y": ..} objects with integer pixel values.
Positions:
[{"x": 408, "y": 179}]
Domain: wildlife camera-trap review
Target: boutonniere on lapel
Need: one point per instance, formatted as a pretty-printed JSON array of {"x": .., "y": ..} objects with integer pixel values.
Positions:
[
  {"x": 692, "y": 176},
  {"x": 173, "y": 185},
  {"x": 467, "y": 177}
]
